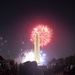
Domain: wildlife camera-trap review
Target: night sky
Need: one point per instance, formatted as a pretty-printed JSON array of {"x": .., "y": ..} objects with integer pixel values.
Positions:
[{"x": 17, "y": 20}]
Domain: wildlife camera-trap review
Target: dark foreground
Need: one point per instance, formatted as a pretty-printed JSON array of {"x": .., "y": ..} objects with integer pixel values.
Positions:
[{"x": 30, "y": 68}]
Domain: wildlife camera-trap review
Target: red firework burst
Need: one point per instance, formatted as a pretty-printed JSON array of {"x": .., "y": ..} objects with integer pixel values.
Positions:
[{"x": 44, "y": 32}]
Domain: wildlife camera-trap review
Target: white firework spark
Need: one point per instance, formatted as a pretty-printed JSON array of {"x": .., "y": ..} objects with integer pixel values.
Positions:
[{"x": 28, "y": 55}]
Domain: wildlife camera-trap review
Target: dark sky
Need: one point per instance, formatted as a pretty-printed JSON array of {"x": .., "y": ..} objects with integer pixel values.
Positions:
[{"x": 17, "y": 20}]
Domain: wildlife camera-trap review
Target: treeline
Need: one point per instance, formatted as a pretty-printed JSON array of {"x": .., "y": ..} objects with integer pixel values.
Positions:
[{"x": 70, "y": 60}]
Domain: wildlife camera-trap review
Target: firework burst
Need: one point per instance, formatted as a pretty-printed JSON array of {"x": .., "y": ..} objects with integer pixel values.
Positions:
[
  {"x": 44, "y": 32},
  {"x": 28, "y": 55}
]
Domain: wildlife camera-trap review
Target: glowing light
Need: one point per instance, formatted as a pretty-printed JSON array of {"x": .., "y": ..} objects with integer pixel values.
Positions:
[
  {"x": 44, "y": 32},
  {"x": 29, "y": 56},
  {"x": 1, "y": 38},
  {"x": 22, "y": 42},
  {"x": 44, "y": 54},
  {"x": 5, "y": 41},
  {"x": 21, "y": 49}
]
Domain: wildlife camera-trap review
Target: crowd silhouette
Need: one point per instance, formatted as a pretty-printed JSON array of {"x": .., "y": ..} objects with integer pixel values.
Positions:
[{"x": 31, "y": 68}]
